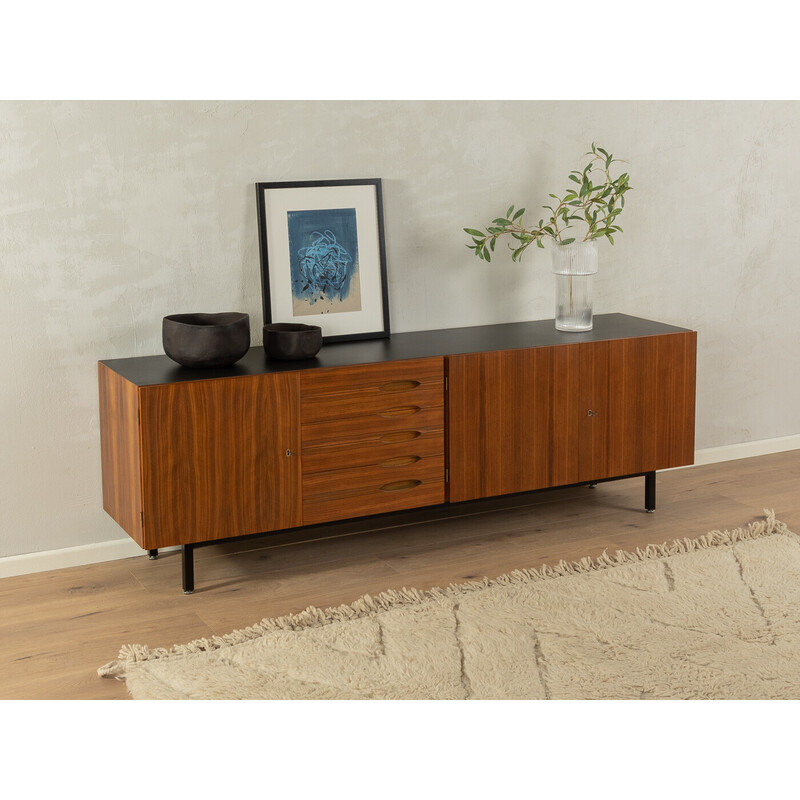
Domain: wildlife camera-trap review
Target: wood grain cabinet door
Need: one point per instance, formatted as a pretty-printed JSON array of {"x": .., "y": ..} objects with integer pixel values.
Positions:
[
  {"x": 649, "y": 416},
  {"x": 520, "y": 420},
  {"x": 220, "y": 458},
  {"x": 512, "y": 420}
]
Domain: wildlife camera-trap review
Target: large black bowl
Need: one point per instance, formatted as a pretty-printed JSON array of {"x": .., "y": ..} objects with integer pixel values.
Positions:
[
  {"x": 288, "y": 341},
  {"x": 206, "y": 340}
]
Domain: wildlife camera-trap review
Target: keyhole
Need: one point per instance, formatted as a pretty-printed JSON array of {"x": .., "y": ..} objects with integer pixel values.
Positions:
[{"x": 288, "y": 452}]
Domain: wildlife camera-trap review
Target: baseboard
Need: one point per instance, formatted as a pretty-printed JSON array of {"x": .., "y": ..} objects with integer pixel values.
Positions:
[
  {"x": 126, "y": 548},
  {"x": 732, "y": 452},
  {"x": 80, "y": 556}
]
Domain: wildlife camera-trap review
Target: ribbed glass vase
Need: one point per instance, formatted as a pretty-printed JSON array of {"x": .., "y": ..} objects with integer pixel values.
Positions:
[{"x": 574, "y": 266}]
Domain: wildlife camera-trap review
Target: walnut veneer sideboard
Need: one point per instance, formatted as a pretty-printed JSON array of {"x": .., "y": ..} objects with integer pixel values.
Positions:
[{"x": 369, "y": 427}]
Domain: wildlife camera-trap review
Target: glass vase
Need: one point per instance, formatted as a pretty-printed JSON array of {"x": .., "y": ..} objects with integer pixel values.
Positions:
[{"x": 574, "y": 266}]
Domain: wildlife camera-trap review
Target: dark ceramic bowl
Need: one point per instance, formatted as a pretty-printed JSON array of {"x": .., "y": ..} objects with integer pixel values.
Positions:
[
  {"x": 206, "y": 340},
  {"x": 287, "y": 341}
]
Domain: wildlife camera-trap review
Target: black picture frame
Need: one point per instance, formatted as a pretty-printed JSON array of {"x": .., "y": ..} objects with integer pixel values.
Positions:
[{"x": 288, "y": 213}]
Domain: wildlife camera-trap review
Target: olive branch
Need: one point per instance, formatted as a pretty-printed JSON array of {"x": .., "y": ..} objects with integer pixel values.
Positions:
[{"x": 596, "y": 204}]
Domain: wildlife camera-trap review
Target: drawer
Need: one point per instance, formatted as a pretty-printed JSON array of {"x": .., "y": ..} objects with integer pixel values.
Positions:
[
  {"x": 375, "y": 448},
  {"x": 396, "y": 388},
  {"x": 387, "y": 426},
  {"x": 385, "y": 477},
  {"x": 374, "y": 499}
]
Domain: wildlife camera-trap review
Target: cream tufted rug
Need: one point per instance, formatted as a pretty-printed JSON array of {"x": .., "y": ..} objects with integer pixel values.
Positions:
[{"x": 714, "y": 617}]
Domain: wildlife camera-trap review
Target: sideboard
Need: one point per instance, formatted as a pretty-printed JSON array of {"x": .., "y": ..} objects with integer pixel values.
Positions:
[{"x": 420, "y": 419}]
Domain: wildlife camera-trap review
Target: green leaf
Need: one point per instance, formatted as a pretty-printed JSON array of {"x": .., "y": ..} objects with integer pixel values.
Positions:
[
  {"x": 539, "y": 243},
  {"x": 519, "y": 213},
  {"x": 610, "y": 238},
  {"x": 603, "y": 151},
  {"x": 568, "y": 241},
  {"x": 501, "y": 221},
  {"x": 510, "y": 211},
  {"x": 473, "y": 232},
  {"x": 492, "y": 244},
  {"x": 574, "y": 178}
]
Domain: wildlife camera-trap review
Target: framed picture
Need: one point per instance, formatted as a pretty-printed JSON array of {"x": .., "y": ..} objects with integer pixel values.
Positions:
[{"x": 323, "y": 258}]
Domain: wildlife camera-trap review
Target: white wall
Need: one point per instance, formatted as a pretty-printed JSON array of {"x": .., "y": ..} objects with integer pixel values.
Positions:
[{"x": 115, "y": 214}]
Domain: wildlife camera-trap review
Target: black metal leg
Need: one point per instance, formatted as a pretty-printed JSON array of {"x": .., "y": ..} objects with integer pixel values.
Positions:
[
  {"x": 152, "y": 554},
  {"x": 650, "y": 492},
  {"x": 187, "y": 556}
]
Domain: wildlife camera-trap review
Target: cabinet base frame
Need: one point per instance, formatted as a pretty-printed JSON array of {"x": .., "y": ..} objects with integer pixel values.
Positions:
[{"x": 187, "y": 550}]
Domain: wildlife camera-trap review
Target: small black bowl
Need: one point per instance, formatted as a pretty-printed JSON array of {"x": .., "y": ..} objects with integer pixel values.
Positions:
[
  {"x": 287, "y": 341},
  {"x": 206, "y": 340}
]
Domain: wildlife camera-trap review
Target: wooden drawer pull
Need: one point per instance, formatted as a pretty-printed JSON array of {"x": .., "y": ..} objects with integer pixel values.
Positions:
[
  {"x": 400, "y": 436},
  {"x": 398, "y": 386},
  {"x": 400, "y": 461},
  {"x": 401, "y": 411},
  {"x": 399, "y": 486}
]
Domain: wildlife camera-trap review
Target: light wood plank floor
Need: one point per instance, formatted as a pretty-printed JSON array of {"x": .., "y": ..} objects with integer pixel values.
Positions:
[{"x": 58, "y": 627}]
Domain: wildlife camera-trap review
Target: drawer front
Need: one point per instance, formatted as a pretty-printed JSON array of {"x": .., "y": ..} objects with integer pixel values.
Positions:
[
  {"x": 376, "y": 448},
  {"x": 384, "y": 477},
  {"x": 394, "y": 389},
  {"x": 372, "y": 439},
  {"x": 394, "y": 495},
  {"x": 385, "y": 427}
]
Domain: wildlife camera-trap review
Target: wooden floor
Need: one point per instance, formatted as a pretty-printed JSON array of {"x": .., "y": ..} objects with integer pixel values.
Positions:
[{"x": 58, "y": 627}]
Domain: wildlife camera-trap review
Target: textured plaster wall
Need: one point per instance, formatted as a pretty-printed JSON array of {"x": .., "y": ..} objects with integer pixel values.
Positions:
[{"x": 114, "y": 214}]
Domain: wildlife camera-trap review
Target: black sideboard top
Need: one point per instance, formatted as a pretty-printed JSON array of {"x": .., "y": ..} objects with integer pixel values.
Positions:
[{"x": 152, "y": 370}]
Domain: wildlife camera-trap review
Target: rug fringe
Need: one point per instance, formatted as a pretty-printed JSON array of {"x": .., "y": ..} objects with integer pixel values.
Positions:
[{"x": 313, "y": 617}]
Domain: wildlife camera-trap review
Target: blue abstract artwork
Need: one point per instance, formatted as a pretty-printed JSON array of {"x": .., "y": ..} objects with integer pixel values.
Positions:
[{"x": 323, "y": 254}]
